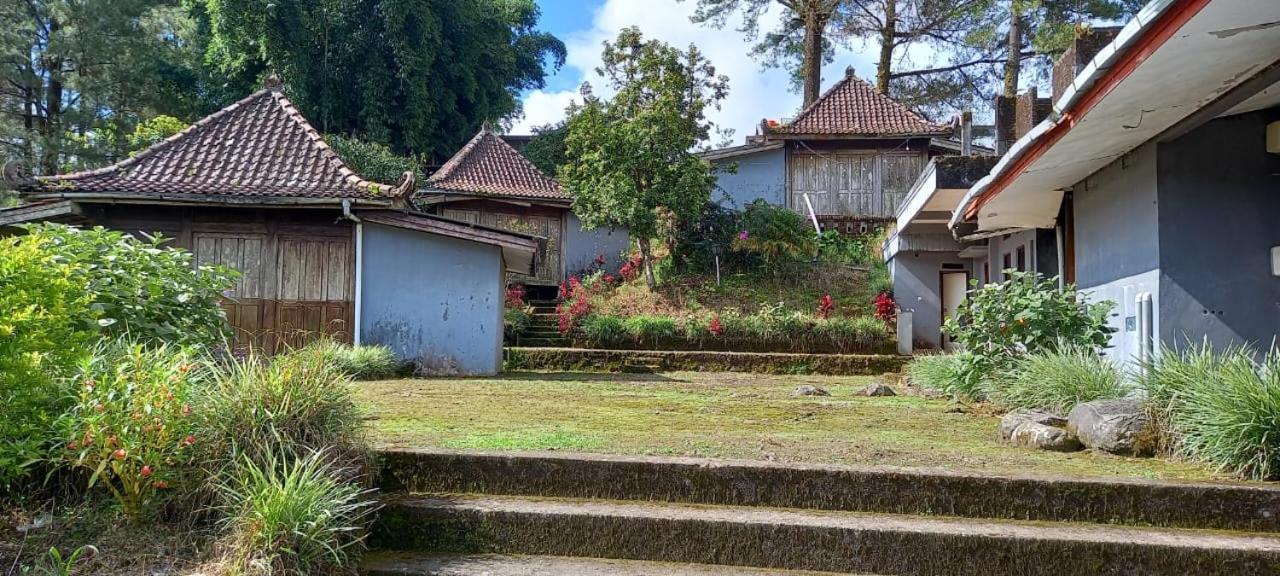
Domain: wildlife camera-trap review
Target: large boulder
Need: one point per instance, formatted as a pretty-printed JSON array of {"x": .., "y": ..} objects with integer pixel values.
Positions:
[
  {"x": 1035, "y": 429},
  {"x": 1113, "y": 426}
]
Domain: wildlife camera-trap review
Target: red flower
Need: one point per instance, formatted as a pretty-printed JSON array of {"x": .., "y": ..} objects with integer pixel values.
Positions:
[
  {"x": 886, "y": 308},
  {"x": 146, "y": 471},
  {"x": 160, "y": 484},
  {"x": 826, "y": 305},
  {"x": 716, "y": 327},
  {"x": 186, "y": 409},
  {"x": 189, "y": 440},
  {"x": 72, "y": 445},
  {"x": 119, "y": 454},
  {"x": 600, "y": 260}
]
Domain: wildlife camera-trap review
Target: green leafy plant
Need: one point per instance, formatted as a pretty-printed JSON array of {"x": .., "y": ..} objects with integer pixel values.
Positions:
[
  {"x": 290, "y": 514},
  {"x": 1000, "y": 322},
  {"x": 55, "y": 564},
  {"x": 46, "y": 326},
  {"x": 1060, "y": 378},
  {"x": 131, "y": 425},
  {"x": 842, "y": 249},
  {"x": 141, "y": 288}
]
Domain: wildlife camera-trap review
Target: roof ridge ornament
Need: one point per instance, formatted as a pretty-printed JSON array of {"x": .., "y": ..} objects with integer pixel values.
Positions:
[
  {"x": 273, "y": 83},
  {"x": 15, "y": 174},
  {"x": 849, "y": 72}
]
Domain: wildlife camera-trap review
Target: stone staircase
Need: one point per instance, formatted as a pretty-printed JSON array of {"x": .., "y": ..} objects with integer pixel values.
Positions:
[
  {"x": 539, "y": 513},
  {"x": 544, "y": 327}
]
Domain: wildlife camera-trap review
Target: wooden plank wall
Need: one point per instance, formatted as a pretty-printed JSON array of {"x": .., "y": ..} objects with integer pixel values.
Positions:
[
  {"x": 542, "y": 221},
  {"x": 297, "y": 267},
  {"x": 864, "y": 183}
]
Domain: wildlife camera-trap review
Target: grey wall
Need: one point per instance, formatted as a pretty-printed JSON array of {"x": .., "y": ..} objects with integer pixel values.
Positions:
[
  {"x": 582, "y": 246},
  {"x": 917, "y": 287},
  {"x": 759, "y": 175},
  {"x": 999, "y": 245},
  {"x": 433, "y": 299},
  {"x": 1117, "y": 242},
  {"x": 1219, "y": 218},
  {"x": 1116, "y": 220}
]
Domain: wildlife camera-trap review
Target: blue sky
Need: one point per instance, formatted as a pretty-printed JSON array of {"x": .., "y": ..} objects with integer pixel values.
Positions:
[{"x": 754, "y": 93}]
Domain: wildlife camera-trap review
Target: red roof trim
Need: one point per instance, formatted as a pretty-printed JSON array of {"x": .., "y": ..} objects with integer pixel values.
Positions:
[{"x": 1168, "y": 24}]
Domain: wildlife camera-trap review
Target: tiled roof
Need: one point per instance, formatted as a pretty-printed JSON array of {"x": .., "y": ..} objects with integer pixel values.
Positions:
[
  {"x": 259, "y": 147},
  {"x": 855, "y": 108},
  {"x": 488, "y": 165}
]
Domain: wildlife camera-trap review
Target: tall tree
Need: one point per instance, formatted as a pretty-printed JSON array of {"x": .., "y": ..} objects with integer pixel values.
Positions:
[
  {"x": 802, "y": 35},
  {"x": 75, "y": 76},
  {"x": 418, "y": 76},
  {"x": 630, "y": 160},
  {"x": 546, "y": 149}
]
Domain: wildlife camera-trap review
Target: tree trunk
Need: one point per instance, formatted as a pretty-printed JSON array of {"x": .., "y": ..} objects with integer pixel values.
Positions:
[
  {"x": 814, "y": 24},
  {"x": 1013, "y": 66},
  {"x": 885, "y": 67},
  {"x": 646, "y": 257}
]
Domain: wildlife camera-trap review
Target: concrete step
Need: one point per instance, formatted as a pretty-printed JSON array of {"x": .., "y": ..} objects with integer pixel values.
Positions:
[
  {"x": 543, "y": 342},
  {"x": 1224, "y": 506},
  {"x": 811, "y": 540},
  {"x": 418, "y": 564}
]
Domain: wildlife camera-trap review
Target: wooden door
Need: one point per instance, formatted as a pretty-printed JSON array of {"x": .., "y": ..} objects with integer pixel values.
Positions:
[
  {"x": 316, "y": 290},
  {"x": 247, "y": 302}
]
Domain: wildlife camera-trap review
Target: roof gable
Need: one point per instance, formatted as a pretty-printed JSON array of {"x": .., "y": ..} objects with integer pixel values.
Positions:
[
  {"x": 852, "y": 107},
  {"x": 259, "y": 147},
  {"x": 487, "y": 165}
]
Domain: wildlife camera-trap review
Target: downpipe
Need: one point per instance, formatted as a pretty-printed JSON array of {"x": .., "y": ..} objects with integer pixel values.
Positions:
[{"x": 348, "y": 215}]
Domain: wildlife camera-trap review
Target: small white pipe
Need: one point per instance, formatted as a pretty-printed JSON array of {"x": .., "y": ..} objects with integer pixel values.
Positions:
[
  {"x": 813, "y": 216},
  {"x": 346, "y": 213}
]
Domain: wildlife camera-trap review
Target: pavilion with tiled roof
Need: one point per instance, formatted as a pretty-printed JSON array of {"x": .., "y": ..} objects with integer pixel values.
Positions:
[
  {"x": 853, "y": 107},
  {"x": 489, "y": 182},
  {"x": 320, "y": 250}
]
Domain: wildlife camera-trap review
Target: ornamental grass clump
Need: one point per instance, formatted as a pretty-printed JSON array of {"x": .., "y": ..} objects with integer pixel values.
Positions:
[
  {"x": 1058, "y": 379},
  {"x": 939, "y": 372},
  {"x": 1222, "y": 409},
  {"x": 292, "y": 514},
  {"x": 297, "y": 403}
]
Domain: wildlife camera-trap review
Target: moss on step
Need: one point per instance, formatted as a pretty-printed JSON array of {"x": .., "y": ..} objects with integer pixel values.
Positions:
[{"x": 702, "y": 361}]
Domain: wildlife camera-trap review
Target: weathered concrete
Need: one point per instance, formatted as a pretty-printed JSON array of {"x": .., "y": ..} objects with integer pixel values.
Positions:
[
  {"x": 411, "y": 563},
  {"x": 584, "y": 359},
  {"x": 790, "y": 539},
  {"x": 868, "y": 489}
]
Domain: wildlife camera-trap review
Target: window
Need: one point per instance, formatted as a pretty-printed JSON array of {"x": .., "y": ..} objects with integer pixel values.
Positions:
[
  {"x": 986, "y": 273},
  {"x": 1008, "y": 262},
  {"x": 1022, "y": 258}
]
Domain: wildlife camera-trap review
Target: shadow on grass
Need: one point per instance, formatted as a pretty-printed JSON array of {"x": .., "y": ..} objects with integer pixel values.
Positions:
[{"x": 587, "y": 377}]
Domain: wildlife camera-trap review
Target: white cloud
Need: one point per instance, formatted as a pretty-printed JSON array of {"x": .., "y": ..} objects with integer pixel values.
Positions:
[
  {"x": 542, "y": 108},
  {"x": 754, "y": 93}
]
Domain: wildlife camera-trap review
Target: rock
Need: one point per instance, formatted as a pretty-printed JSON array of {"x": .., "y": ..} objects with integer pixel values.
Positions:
[
  {"x": 809, "y": 390},
  {"x": 1036, "y": 429},
  {"x": 1113, "y": 426},
  {"x": 877, "y": 390}
]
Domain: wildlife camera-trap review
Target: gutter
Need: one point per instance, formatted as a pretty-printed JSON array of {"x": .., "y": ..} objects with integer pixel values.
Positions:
[
  {"x": 347, "y": 215},
  {"x": 1141, "y": 37}
]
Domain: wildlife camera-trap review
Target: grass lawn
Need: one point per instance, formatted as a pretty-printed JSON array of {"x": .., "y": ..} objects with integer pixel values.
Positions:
[{"x": 728, "y": 415}]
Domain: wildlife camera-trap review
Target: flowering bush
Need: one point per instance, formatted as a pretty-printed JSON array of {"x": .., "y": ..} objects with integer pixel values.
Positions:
[
  {"x": 131, "y": 423},
  {"x": 886, "y": 308},
  {"x": 826, "y": 305},
  {"x": 715, "y": 327},
  {"x": 515, "y": 296},
  {"x": 631, "y": 269},
  {"x": 774, "y": 233}
]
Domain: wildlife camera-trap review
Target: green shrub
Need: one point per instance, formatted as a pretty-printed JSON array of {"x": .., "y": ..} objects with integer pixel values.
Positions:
[
  {"x": 842, "y": 249},
  {"x": 939, "y": 372},
  {"x": 141, "y": 289},
  {"x": 292, "y": 515},
  {"x": 358, "y": 362},
  {"x": 603, "y": 329},
  {"x": 375, "y": 161},
  {"x": 775, "y": 233},
  {"x": 1059, "y": 379},
  {"x": 1000, "y": 322},
  {"x": 46, "y": 326},
  {"x": 1220, "y": 408},
  {"x": 131, "y": 424},
  {"x": 297, "y": 403},
  {"x": 515, "y": 321}
]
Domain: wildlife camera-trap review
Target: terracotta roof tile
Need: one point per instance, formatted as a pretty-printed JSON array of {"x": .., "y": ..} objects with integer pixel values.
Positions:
[
  {"x": 488, "y": 165},
  {"x": 855, "y": 108},
  {"x": 258, "y": 147}
]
